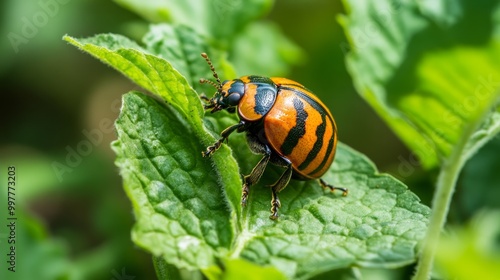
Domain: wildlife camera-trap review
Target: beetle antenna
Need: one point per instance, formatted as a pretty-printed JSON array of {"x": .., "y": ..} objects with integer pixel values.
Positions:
[
  {"x": 212, "y": 83},
  {"x": 217, "y": 85}
]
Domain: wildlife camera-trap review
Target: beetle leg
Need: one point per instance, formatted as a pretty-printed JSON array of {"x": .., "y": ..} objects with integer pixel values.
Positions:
[
  {"x": 332, "y": 188},
  {"x": 207, "y": 102},
  {"x": 257, "y": 171},
  {"x": 204, "y": 97},
  {"x": 280, "y": 185},
  {"x": 224, "y": 134}
]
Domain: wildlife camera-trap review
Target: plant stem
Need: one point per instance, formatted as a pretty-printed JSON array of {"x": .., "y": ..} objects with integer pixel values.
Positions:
[
  {"x": 165, "y": 271},
  {"x": 440, "y": 206}
]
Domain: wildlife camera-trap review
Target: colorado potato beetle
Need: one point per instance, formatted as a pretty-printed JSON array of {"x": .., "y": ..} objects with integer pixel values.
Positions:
[{"x": 282, "y": 120}]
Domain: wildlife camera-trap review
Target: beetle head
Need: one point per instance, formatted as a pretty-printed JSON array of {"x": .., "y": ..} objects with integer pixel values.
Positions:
[{"x": 227, "y": 95}]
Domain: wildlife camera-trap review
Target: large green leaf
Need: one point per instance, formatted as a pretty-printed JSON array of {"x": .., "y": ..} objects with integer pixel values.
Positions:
[
  {"x": 182, "y": 214},
  {"x": 377, "y": 225},
  {"x": 180, "y": 208},
  {"x": 181, "y": 46},
  {"x": 239, "y": 269},
  {"x": 188, "y": 207},
  {"x": 148, "y": 69},
  {"x": 430, "y": 69}
]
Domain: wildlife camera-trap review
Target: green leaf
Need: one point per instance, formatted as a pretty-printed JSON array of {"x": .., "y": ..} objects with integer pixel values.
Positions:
[
  {"x": 158, "y": 76},
  {"x": 377, "y": 225},
  {"x": 147, "y": 70},
  {"x": 429, "y": 69},
  {"x": 181, "y": 47},
  {"x": 180, "y": 208},
  {"x": 243, "y": 270},
  {"x": 445, "y": 13},
  {"x": 182, "y": 214}
]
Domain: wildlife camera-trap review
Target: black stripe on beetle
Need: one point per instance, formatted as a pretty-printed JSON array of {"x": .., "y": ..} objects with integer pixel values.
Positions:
[
  {"x": 328, "y": 151},
  {"x": 310, "y": 101},
  {"x": 312, "y": 154},
  {"x": 298, "y": 130},
  {"x": 320, "y": 134}
]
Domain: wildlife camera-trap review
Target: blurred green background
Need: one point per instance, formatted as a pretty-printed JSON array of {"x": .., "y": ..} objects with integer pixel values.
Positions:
[{"x": 73, "y": 216}]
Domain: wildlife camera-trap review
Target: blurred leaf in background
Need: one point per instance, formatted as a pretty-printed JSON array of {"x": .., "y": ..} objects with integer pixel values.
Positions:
[
  {"x": 473, "y": 250},
  {"x": 57, "y": 113},
  {"x": 480, "y": 183},
  {"x": 429, "y": 70},
  {"x": 232, "y": 26}
]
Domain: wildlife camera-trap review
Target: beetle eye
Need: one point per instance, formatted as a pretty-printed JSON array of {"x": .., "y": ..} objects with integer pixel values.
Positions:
[{"x": 233, "y": 99}]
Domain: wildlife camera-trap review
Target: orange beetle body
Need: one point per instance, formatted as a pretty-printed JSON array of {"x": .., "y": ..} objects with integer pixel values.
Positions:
[
  {"x": 284, "y": 121},
  {"x": 296, "y": 123}
]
